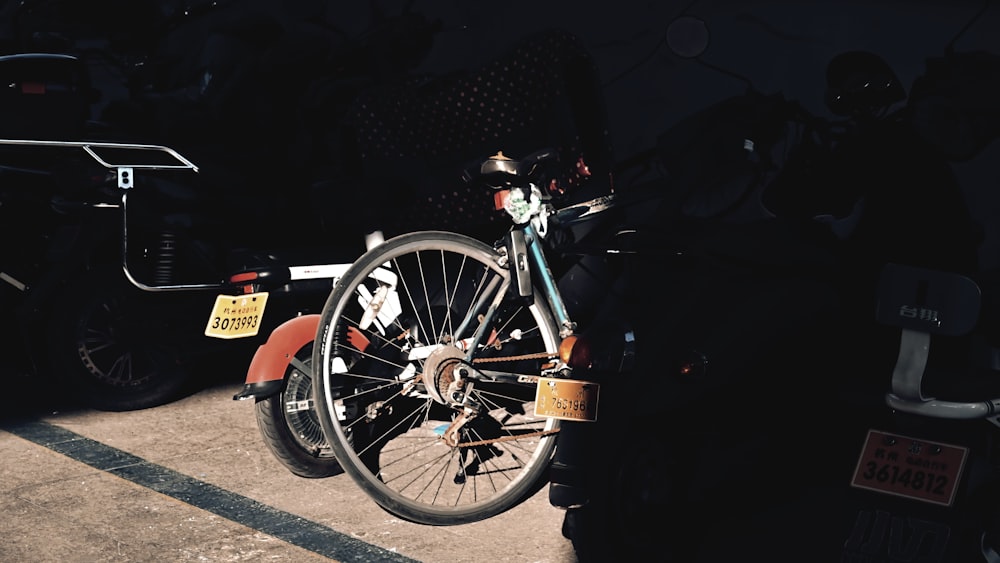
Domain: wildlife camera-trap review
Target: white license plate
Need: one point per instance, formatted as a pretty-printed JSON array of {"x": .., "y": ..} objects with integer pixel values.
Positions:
[
  {"x": 566, "y": 399},
  {"x": 910, "y": 467},
  {"x": 236, "y": 316}
]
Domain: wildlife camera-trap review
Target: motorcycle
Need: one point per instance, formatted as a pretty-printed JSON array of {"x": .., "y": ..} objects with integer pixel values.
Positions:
[
  {"x": 782, "y": 267},
  {"x": 82, "y": 305},
  {"x": 183, "y": 230},
  {"x": 114, "y": 322}
]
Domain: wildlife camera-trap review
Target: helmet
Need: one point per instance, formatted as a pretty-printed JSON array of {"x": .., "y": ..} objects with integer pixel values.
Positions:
[{"x": 861, "y": 83}]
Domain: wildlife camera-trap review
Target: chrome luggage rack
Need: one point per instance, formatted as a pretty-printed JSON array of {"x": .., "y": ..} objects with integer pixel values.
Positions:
[
  {"x": 125, "y": 172},
  {"x": 124, "y": 169}
]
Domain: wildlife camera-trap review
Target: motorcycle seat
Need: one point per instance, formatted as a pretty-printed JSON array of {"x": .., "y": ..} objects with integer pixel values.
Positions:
[{"x": 931, "y": 301}]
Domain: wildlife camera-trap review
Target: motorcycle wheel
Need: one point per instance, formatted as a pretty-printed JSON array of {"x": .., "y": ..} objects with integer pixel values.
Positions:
[
  {"x": 119, "y": 348},
  {"x": 289, "y": 426}
]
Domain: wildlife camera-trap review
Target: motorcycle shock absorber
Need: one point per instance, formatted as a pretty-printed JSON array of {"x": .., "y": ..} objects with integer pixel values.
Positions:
[{"x": 165, "y": 258}]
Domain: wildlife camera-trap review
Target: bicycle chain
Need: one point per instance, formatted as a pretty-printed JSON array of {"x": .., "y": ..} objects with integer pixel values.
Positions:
[
  {"x": 540, "y": 433},
  {"x": 535, "y": 356},
  {"x": 506, "y": 438}
]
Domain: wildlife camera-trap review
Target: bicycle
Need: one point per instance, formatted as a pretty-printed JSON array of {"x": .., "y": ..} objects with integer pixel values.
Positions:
[{"x": 446, "y": 364}]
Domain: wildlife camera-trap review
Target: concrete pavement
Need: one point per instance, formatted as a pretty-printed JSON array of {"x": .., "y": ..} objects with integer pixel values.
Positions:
[{"x": 192, "y": 481}]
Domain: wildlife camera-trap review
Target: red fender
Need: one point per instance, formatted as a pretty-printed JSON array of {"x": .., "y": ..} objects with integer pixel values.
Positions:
[{"x": 271, "y": 360}]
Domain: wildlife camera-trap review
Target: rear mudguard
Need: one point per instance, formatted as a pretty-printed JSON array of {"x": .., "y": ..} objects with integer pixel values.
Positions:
[{"x": 266, "y": 374}]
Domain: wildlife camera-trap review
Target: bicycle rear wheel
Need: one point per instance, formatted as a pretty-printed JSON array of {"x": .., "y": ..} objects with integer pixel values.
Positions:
[{"x": 390, "y": 349}]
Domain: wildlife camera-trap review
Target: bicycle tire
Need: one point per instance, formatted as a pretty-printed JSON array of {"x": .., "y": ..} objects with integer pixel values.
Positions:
[{"x": 383, "y": 412}]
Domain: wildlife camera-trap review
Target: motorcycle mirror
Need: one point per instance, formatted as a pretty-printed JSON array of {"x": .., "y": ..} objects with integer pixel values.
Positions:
[{"x": 687, "y": 37}]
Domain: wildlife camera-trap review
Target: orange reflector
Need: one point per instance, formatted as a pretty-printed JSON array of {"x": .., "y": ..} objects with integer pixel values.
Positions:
[
  {"x": 575, "y": 352},
  {"x": 566, "y": 348}
]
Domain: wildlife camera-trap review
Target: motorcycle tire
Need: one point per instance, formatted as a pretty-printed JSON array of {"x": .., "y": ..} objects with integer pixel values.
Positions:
[
  {"x": 117, "y": 347},
  {"x": 640, "y": 484},
  {"x": 289, "y": 426}
]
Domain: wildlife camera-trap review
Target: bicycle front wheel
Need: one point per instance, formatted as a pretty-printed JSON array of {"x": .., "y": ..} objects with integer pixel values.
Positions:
[{"x": 430, "y": 435}]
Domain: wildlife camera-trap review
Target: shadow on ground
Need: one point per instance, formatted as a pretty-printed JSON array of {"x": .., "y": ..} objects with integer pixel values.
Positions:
[{"x": 27, "y": 395}]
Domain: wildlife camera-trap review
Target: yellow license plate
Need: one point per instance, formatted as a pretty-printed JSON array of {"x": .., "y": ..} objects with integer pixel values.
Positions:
[
  {"x": 236, "y": 316},
  {"x": 909, "y": 467},
  {"x": 566, "y": 399}
]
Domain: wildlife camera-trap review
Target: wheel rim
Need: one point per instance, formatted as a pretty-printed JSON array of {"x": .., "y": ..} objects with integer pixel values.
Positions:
[
  {"x": 379, "y": 410},
  {"x": 111, "y": 351},
  {"x": 299, "y": 411}
]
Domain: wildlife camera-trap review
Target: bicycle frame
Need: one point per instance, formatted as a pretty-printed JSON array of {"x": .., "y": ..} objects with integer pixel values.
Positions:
[{"x": 523, "y": 256}]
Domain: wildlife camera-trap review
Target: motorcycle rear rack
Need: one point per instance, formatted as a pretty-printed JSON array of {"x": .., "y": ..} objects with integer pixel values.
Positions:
[
  {"x": 125, "y": 175},
  {"x": 125, "y": 172},
  {"x": 124, "y": 169}
]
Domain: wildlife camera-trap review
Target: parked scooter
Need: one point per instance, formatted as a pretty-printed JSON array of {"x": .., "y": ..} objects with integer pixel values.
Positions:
[
  {"x": 279, "y": 378},
  {"x": 754, "y": 417}
]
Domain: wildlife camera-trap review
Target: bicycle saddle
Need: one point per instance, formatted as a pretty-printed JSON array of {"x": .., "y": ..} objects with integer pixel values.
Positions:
[{"x": 501, "y": 171}]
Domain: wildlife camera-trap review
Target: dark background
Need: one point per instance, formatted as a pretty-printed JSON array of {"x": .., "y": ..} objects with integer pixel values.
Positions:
[{"x": 780, "y": 46}]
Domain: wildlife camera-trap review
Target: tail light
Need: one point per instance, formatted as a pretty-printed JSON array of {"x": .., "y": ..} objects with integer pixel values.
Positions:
[
  {"x": 695, "y": 365},
  {"x": 245, "y": 281}
]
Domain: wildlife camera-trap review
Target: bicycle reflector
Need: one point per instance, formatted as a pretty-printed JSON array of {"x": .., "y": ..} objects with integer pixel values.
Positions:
[
  {"x": 576, "y": 352},
  {"x": 612, "y": 352}
]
